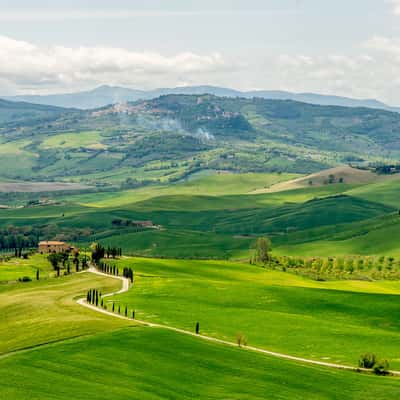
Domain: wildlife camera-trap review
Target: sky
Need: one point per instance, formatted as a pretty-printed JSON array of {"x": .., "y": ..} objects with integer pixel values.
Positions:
[{"x": 342, "y": 47}]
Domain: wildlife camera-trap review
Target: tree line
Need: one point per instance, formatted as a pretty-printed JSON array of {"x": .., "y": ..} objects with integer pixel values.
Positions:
[
  {"x": 94, "y": 297},
  {"x": 63, "y": 260},
  {"x": 99, "y": 252}
]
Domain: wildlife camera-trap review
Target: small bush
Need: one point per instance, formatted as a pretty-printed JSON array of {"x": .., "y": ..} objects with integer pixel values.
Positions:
[
  {"x": 367, "y": 360},
  {"x": 241, "y": 340},
  {"x": 25, "y": 279},
  {"x": 381, "y": 368}
]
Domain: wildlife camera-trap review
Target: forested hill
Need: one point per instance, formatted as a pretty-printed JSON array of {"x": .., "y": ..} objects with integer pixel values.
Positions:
[{"x": 167, "y": 138}]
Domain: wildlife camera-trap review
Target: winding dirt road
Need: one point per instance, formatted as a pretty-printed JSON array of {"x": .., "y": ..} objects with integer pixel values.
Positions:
[{"x": 125, "y": 287}]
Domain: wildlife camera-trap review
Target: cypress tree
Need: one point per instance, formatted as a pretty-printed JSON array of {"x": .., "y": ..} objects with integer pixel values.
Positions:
[
  {"x": 133, "y": 314},
  {"x": 113, "y": 309},
  {"x": 126, "y": 311},
  {"x": 197, "y": 328},
  {"x": 102, "y": 303},
  {"x": 37, "y": 274},
  {"x": 119, "y": 309}
]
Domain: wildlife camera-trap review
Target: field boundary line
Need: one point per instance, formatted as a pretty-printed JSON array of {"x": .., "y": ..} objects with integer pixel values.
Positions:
[{"x": 125, "y": 288}]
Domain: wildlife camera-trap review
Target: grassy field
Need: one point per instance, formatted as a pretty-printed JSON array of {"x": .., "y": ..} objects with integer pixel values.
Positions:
[
  {"x": 219, "y": 216},
  {"x": 335, "y": 321},
  {"x": 71, "y": 352},
  {"x": 43, "y": 312},
  {"x": 73, "y": 140},
  {"x": 16, "y": 268},
  {"x": 156, "y": 364}
]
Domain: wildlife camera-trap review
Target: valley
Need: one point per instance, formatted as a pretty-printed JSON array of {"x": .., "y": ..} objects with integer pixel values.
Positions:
[{"x": 179, "y": 190}]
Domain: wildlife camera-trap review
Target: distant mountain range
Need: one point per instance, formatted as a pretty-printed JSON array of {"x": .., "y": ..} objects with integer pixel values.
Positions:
[{"x": 105, "y": 95}]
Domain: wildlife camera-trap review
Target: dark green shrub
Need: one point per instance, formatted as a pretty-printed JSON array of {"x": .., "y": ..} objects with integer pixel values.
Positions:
[
  {"x": 381, "y": 368},
  {"x": 367, "y": 360},
  {"x": 25, "y": 279}
]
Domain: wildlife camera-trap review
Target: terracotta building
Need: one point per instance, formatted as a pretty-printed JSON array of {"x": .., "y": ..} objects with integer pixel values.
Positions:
[{"x": 53, "y": 246}]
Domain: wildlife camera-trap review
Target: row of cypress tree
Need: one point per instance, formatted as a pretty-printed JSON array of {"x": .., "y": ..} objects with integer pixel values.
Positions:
[
  {"x": 94, "y": 297},
  {"x": 108, "y": 268},
  {"x": 128, "y": 273}
]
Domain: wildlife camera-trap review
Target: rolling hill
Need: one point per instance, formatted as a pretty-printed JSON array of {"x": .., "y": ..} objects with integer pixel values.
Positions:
[
  {"x": 172, "y": 137},
  {"x": 341, "y": 174}
]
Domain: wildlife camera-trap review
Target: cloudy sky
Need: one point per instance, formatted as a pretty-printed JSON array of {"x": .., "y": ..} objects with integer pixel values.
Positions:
[{"x": 342, "y": 47}]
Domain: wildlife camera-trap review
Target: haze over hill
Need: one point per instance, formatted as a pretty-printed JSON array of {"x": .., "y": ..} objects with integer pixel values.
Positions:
[
  {"x": 173, "y": 136},
  {"x": 105, "y": 95}
]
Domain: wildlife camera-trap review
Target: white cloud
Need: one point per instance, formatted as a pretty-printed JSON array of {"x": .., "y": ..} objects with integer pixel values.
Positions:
[
  {"x": 31, "y": 67},
  {"x": 395, "y": 6},
  {"x": 372, "y": 73}
]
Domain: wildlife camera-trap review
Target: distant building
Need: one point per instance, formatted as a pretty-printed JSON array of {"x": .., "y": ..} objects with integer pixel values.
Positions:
[
  {"x": 53, "y": 246},
  {"x": 143, "y": 224}
]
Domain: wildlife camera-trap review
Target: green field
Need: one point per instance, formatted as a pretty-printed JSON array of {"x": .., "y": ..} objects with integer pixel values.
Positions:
[
  {"x": 157, "y": 364},
  {"x": 220, "y": 215},
  {"x": 52, "y": 348},
  {"x": 43, "y": 312},
  {"x": 182, "y": 188},
  {"x": 14, "y": 269},
  {"x": 335, "y": 321}
]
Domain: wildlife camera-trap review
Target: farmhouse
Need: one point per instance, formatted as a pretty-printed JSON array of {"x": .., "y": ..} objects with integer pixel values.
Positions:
[{"x": 53, "y": 246}]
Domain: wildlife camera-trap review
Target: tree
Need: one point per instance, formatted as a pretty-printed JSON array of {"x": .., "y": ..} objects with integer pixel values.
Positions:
[
  {"x": 241, "y": 340},
  {"x": 367, "y": 360},
  {"x": 54, "y": 259},
  {"x": 263, "y": 247},
  {"x": 197, "y": 328},
  {"x": 98, "y": 252},
  {"x": 76, "y": 262},
  {"x": 381, "y": 368},
  {"x": 37, "y": 274}
]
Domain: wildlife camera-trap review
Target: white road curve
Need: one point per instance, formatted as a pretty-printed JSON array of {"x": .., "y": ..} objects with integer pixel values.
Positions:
[{"x": 125, "y": 287}]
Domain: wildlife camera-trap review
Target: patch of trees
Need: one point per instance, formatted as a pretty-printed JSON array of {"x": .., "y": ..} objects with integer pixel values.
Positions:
[
  {"x": 332, "y": 179},
  {"x": 138, "y": 225},
  {"x": 15, "y": 239},
  {"x": 262, "y": 251},
  {"x": 113, "y": 270},
  {"x": 63, "y": 261},
  {"x": 108, "y": 268},
  {"x": 347, "y": 267},
  {"x": 387, "y": 169},
  {"x": 94, "y": 297},
  {"x": 370, "y": 361},
  {"x": 99, "y": 252},
  {"x": 128, "y": 273}
]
